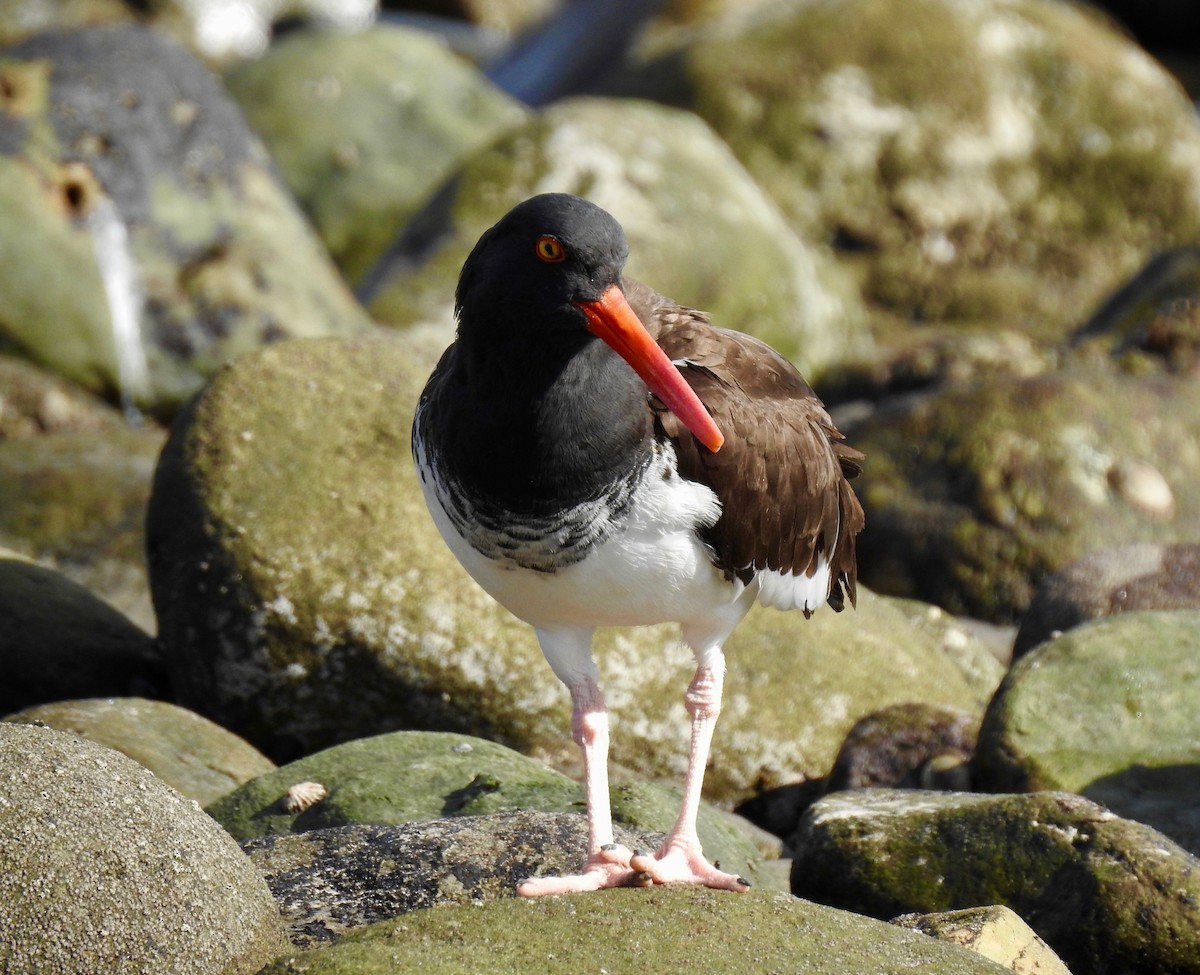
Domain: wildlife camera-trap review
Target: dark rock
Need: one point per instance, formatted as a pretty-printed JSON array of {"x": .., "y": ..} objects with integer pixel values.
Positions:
[
  {"x": 1107, "y": 894},
  {"x": 418, "y": 776},
  {"x": 330, "y": 881},
  {"x": 59, "y": 641},
  {"x": 1109, "y": 581},
  {"x": 907, "y": 746}
]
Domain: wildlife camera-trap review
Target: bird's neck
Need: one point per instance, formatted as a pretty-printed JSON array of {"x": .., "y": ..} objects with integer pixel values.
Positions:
[{"x": 559, "y": 425}]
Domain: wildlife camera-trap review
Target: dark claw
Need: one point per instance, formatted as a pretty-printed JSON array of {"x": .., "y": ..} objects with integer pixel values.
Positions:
[
  {"x": 608, "y": 847},
  {"x": 641, "y": 853},
  {"x": 744, "y": 882}
]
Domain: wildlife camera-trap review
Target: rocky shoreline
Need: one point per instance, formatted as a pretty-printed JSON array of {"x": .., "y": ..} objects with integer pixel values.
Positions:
[{"x": 258, "y": 719}]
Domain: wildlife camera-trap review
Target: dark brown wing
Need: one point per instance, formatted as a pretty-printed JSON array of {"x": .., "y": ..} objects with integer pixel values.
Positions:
[{"x": 782, "y": 475}]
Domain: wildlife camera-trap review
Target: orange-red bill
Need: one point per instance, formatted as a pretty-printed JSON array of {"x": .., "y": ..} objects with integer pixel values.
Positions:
[{"x": 611, "y": 319}]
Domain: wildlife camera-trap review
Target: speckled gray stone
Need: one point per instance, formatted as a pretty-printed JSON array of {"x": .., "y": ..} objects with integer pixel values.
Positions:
[{"x": 104, "y": 869}]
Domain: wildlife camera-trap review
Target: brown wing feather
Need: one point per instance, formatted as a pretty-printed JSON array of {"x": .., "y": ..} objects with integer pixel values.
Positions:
[{"x": 782, "y": 476}]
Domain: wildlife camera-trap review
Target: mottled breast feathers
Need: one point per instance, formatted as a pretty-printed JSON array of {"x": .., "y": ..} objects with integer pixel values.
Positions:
[{"x": 782, "y": 474}]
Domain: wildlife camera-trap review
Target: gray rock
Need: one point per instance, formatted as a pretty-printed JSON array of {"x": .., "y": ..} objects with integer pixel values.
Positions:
[
  {"x": 75, "y": 500},
  {"x": 700, "y": 230},
  {"x": 105, "y": 869},
  {"x": 305, "y": 597},
  {"x": 1016, "y": 478},
  {"x": 417, "y": 776},
  {"x": 329, "y": 882},
  {"x": 122, "y": 159},
  {"x": 57, "y": 641},
  {"x": 1109, "y": 581},
  {"x": 197, "y": 758},
  {"x": 1108, "y": 710},
  {"x": 1107, "y": 894},
  {"x": 366, "y": 125},
  {"x": 636, "y": 932}
]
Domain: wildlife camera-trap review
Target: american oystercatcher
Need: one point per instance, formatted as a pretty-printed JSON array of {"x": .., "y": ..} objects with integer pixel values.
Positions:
[{"x": 597, "y": 455}]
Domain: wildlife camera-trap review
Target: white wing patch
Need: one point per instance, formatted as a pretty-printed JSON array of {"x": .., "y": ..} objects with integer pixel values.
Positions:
[{"x": 786, "y": 591}]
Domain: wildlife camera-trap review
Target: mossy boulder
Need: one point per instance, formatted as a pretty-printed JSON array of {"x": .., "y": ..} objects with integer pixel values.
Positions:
[
  {"x": 975, "y": 492},
  {"x": 634, "y": 932},
  {"x": 1107, "y": 894},
  {"x": 105, "y": 869},
  {"x": 366, "y": 125},
  {"x": 123, "y": 160},
  {"x": 700, "y": 231},
  {"x": 304, "y": 598},
  {"x": 1108, "y": 710},
  {"x": 416, "y": 776},
  {"x": 195, "y": 757},
  {"x": 987, "y": 162}
]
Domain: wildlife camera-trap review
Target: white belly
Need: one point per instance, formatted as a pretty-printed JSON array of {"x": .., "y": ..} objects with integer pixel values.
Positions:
[{"x": 651, "y": 568}]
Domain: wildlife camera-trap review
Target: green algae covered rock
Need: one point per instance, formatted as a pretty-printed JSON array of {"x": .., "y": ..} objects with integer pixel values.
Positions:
[
  {"x": 305, "y": 598},
  {"x": 637, "y": 932},
  {"x": 974, "y": 492},
  {"x": 981, "y": 162},
  {"x": 403, "y": 777},
  {"x": 1107, "y": 894},
  {"x": 416, "y": 776},
  {"x": 105, "y": 869},
  {"x": 1108, "y": 710},
  {"x": 365, "y": 125},
  {"x": 700, "y": 231},
  {"x": 195, "y": 757}
]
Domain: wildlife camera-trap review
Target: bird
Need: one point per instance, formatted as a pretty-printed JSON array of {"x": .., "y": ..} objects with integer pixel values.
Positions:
[{"x": 595, "y": 454}]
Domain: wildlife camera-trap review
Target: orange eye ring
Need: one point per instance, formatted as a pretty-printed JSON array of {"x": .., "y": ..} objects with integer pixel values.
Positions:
[{"x": 550, "y": 249}]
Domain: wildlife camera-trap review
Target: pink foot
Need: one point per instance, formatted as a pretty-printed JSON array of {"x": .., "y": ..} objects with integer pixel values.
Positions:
[
  {"x": 680, "y": 862},
  {"x": 609, "y": 868},
  {"x": 676, "y": 862}
]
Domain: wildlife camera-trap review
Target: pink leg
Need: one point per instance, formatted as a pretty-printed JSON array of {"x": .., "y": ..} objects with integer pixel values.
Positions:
[
  {"x": 607, "y": 864},
  {"x": 680, "y": 860}
]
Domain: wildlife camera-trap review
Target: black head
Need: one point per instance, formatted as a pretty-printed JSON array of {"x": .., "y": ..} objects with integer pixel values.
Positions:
[{"x": 532, "y": 268}]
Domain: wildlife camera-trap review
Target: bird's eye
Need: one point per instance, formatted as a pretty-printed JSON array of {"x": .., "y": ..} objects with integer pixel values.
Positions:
[{"x": 549, "y": 249}]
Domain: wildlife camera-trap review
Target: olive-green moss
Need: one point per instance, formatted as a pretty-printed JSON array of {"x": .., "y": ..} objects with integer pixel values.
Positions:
[
  {"x": 633, "y": 932},
  {"x": 1107, "y": 894},
  {"x": 976, "y": 492}
]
